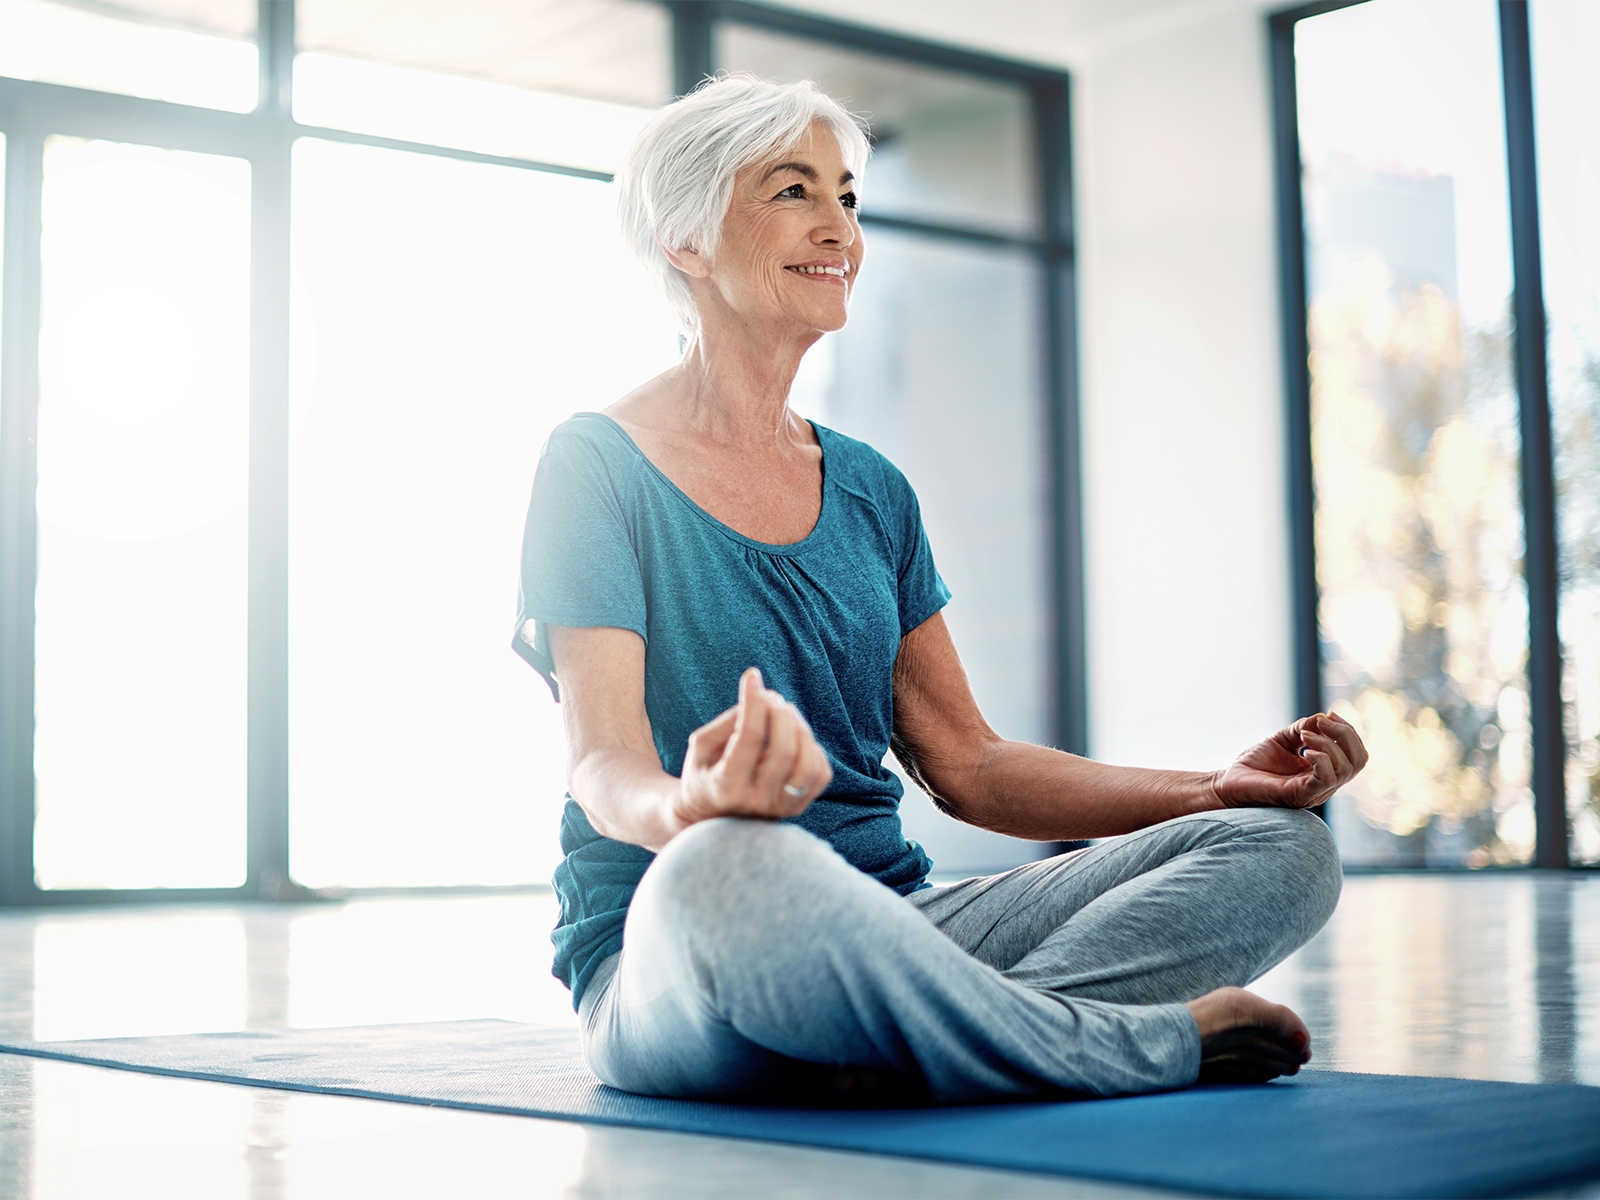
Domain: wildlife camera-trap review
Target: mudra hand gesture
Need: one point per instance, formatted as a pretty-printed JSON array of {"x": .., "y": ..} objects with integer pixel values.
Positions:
[
  {"x": 757, "y": 759},
  {"x": 1297, "y": 767}
]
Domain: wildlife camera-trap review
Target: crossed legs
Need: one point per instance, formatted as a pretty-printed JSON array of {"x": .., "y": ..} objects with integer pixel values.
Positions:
[{"x": 751, "y": 944}]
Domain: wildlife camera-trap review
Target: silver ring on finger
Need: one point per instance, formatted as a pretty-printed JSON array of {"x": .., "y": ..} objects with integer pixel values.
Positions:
[{"x": 790, "y": 790}]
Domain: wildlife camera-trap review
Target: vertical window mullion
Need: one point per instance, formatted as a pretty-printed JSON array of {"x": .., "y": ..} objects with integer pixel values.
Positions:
[
  {"x": 1538, "y": 489},
  {"x": 268, "y": 853},
  {"x": 692, "y": 53},
  {"x": 19, "y": 406},
  {"x": 1306, "y": 653},
  {"x": 1053, "y": 164}
]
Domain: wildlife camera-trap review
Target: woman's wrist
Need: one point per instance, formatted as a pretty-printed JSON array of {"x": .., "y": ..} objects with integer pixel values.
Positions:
[
  {"x": 623, "y": 803},
  {"x": 1211, "y": 793},
  {"x": 669, "y": 820},
  {"x": 1189, "y": 792}
]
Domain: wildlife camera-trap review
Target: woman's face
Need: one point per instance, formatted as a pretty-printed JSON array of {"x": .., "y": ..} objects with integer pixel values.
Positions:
[{"x": 791, "y": 246}]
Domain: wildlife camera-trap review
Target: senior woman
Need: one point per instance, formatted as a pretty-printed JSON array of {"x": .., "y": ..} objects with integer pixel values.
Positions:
[{"x": 739, "y": 613}]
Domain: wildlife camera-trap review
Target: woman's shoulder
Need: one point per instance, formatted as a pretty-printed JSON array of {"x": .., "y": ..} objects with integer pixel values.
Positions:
[
  {"x": 587, "y": 455},
  {"x": 861, "y": 468},
  {"x": 591, "y": 441},
  {"x": 588, "y": 431}
]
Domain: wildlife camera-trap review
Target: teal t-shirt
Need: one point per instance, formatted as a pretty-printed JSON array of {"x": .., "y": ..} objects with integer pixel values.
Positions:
[{"x": 611, "y": 541}]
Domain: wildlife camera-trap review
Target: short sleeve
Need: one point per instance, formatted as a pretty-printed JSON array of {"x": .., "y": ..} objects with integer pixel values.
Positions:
[
  {"x": 579, "y": 565},
  {"x": 922, "y": 591}
]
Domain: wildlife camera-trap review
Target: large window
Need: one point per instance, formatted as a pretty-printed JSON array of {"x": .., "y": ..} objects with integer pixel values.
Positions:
[
  {"x": 1429, "y": 496},
  {"x": 425, "y": 381},
  {"x": 143, "y": 453},
  {"x": 294, "y": 292},
  {"x": 1566, "y": 35}
]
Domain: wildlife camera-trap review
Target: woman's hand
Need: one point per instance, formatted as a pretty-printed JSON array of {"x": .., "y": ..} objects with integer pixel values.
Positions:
[
  {"x": 1297, "y": 767},
  {"x": 758, "y": 759}
]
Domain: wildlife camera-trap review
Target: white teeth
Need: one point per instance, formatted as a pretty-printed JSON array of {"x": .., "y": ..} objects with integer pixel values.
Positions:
[{"x": 839, "y": 271}]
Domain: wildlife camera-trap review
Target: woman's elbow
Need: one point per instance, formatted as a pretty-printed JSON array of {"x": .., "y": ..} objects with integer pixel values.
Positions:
[{"x": 952, "y": 781}]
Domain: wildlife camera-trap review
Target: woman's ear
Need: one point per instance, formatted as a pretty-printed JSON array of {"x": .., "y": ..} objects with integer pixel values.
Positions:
[{"x": 691, "y": 262}]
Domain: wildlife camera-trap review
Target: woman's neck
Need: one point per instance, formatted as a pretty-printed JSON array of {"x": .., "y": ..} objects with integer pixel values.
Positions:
[{"x": 735, "y": 388}]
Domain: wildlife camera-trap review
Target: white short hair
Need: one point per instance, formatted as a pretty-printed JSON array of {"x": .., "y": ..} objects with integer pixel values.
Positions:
[{"x": 676, "y": 185}]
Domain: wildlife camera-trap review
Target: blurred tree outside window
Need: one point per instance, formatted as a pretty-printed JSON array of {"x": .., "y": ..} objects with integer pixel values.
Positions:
[
  {"x": 1566, "y": 97},
  {"x": 1423, "y": 611}
]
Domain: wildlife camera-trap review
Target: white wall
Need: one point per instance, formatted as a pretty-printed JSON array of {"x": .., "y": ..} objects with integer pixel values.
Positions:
[
  {"x": 1184, "y": 503},
  {"x": 1185, "y": 510}
]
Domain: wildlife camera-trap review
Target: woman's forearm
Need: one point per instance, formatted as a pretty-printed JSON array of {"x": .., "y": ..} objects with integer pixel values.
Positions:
[
  {"x": 1046, "y": 795},
  {"x": 627, "y": 797}
]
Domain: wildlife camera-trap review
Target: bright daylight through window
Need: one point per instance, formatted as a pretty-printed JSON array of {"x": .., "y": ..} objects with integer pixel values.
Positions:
[
  {"x": 139, "y": 751},
  {"x": 1566, "y": 98},
  {"x": 177, "y": 50},
  {"x": 1414, "y": 429},
  {"x": 560, "y": 83},
  {"x": 446, "y": 316}
]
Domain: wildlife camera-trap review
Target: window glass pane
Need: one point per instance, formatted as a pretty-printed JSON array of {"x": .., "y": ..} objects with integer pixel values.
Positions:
[
  {"x": 1566, "y": 36},
  {"x": 139, "y": 751},
  {"x": 561, "y": 81},
  {"x": 938, "y": 369},
  {"x": 422, "y": 750},
  {"x": 198, "y": 52},
  {"x": 947, "y": 147},
  {"x": 1414, "y": 428}
]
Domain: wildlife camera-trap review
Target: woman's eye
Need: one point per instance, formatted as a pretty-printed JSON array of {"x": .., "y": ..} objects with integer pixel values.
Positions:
[
  {"x": 849, "y": 200},
  {"x": 795, "y": 191}
]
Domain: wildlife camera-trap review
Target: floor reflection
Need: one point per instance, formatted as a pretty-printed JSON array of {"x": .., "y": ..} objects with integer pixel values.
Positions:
[
  {"x": 1482, "y": 976},
  {"x": 1555, "y": 986},
  {"x": 1490, "y": 976},
  {"x": 121, "y": 974}
]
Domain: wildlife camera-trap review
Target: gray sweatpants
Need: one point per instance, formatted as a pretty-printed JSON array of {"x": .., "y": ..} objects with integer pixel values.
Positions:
[{"x": 750, "y": 943}]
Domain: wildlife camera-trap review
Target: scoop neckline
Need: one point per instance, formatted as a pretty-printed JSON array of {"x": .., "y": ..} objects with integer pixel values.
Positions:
[{"x": 721, "y": 526}]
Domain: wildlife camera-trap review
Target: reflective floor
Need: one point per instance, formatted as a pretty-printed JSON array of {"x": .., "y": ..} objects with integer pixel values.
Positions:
[{"x": 1491, "y": 977}]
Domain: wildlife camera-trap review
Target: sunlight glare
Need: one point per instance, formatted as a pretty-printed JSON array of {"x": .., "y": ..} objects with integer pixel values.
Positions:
[
  {"x": 473, "y": 114},
  {"x": 58, "y": 43},
  {"x": 139, "y": 748}
]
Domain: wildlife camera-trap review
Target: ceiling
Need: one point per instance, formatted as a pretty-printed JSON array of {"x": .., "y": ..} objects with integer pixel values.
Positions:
[
  {"x": 616, "y": 49},
  {"x": 1056, "y": 32}
]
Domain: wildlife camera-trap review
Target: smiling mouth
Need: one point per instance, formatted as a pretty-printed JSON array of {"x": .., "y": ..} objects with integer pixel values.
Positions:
[{"x": 838, "y": 273}]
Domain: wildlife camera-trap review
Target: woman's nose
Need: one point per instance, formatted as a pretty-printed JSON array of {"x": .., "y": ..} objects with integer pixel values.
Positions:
[{"x": 837, "y": 229}]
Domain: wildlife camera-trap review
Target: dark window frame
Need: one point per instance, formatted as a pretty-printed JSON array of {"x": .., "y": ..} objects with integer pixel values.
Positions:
[
  {"x": 31, "y": 112},
  {"x": 1540, "y": 562}
]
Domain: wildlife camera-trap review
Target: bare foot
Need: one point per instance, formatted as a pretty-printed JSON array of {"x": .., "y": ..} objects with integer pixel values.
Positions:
[{"x": 1246, "y": 1039}]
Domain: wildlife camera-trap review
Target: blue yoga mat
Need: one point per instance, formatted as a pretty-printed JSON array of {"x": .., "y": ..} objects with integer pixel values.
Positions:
[{"x": 1320, "y": 1134}]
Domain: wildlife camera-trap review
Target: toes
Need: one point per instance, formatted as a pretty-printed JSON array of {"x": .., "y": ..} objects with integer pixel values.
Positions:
[{"x": 1251, "y": 1054}]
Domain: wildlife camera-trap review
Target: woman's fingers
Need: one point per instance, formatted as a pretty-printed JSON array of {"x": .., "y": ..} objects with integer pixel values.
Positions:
[
  {"x": 812, "y": 772},
  {"x": 707, "y": 743},
  {"x": 1309, "y": 787},
  {"x": 750, "y": 731},
  {"x": 1349, "y": 740},
  {"x": 761, "y": 755},
  {"x": 1322, "y": 769},
  {"x": 1332, "y": 750},
  {"x": 784, "y": 731}
]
